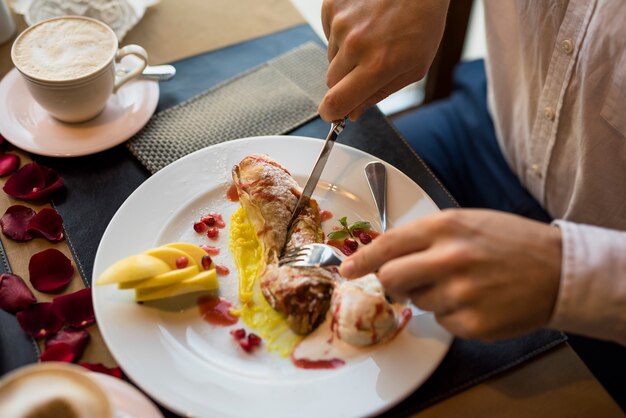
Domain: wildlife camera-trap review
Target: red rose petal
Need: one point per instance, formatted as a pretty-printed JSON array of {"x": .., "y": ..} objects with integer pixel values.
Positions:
[
  {"x": 14, "y": 294},
  {"x": 48, "y": 224},
  {"x": 76, "y": 309},
  {"x": 39, "y": 320},
  {"x": 50, "y": 270},
  {"x": 77, "y": 339},
  {"x": 8, "y": 163},
  {"x": 14, "y": 222},
  {"x": 101, "y": 368},
  {"x": 58, "y": 352},
  {"x": 32, "y": 181}
]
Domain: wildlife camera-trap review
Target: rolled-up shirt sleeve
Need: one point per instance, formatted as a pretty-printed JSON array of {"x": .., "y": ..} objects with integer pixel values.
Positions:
[{"x": 592, "y": 293}]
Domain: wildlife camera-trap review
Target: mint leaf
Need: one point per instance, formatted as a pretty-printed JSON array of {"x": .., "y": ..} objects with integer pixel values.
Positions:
[
  {"x": 360, "y": 225},
  {"x": 341, "y": 234},
  {"x": 344, "y": 222}
]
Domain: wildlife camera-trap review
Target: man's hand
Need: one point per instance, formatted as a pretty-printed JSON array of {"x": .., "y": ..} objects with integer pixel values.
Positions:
[
  {"x": 485, "y": 274},
  {"x": 376, "y": 47}
]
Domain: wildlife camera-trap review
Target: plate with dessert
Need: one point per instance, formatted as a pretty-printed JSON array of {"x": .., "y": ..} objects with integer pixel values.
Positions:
[{"x": 194, "y": 306}]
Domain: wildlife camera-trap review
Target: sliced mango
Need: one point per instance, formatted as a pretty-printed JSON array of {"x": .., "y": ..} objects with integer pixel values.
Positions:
[
  {"x": 133, "y": 268},
  {"x": 163, "y": 279},
  {"x": 205, "y": 280},
  {"x": 170, "y": 255},
  {"x": 193, "y": 250}
]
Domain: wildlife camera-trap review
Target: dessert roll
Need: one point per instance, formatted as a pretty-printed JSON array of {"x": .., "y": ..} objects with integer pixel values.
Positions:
[
  {"x": 268, "y": 195},
  {"x": 301, "y": 294}
]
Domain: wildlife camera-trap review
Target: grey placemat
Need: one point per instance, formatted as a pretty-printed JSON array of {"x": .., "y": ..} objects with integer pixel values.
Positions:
[{"x": 270, "y": 99}]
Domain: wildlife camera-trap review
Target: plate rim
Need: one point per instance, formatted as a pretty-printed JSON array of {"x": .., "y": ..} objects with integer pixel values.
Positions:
[{"x": 164, "y": 401}]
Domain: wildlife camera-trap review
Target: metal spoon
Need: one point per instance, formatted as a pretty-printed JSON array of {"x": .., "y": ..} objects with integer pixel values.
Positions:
[
  {"x": 155, "y": 72},
  {"x": 376, "y": 174}
]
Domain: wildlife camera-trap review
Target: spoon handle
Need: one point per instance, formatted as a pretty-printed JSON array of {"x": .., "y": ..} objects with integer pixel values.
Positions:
[
  {"x": 159, "y": 72},
  {"x": 377, "y": 179}
]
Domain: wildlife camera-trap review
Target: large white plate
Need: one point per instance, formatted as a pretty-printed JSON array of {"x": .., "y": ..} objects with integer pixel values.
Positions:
[{"x": 194, "y": 368}]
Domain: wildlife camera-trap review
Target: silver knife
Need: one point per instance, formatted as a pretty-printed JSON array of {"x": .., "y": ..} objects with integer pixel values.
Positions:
[{"x": 335, "y": 129}]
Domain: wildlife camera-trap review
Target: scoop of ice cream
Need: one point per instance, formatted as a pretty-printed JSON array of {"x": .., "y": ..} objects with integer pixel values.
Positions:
[{"x": 361, "y": 314}]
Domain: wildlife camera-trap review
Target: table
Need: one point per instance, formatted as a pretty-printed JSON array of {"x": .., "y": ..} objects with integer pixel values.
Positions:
[{"x": 555, "y": 383}]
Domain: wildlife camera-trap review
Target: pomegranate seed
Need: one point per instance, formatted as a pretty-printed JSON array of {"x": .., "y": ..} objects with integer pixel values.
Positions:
[
  {"x": 245, "y": 344},
  {"x": 365, "y": 238},
  {"x": 325, "y": 215},
  {"x": 213, "y": 233},
  {"x": 208, "y": 220},
  {"x": 182, "y": 262},
  {"x": 254, "y": 340},
  {"x": 357, "y": 231},
  {"x": 219, "y": 221},
  {"x": 347, "y": 251},
  {"x": 211, "y": 250},
  {"x": 206, "y": 262},
  {"x": 238, "y": 334},
  {"x": 221, "y": 269},
  {"x": 199, "y": 227},
  {"x": 352, "y": 244}
]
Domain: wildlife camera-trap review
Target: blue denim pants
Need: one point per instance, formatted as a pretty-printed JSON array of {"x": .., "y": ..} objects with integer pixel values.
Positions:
[{"x": 456, "y": 138}]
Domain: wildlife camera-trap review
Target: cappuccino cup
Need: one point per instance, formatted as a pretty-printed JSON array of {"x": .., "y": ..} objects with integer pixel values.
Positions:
[
  {"x": 52, "y": 390},
  {"x": 69, "y": 65}
]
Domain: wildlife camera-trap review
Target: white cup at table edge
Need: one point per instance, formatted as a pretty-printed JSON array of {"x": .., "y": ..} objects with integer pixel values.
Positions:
[{"x": 44, "y": 387}]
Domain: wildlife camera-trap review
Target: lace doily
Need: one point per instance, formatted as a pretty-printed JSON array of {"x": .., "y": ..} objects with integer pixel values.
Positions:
[{"x": 120, "y": 15}]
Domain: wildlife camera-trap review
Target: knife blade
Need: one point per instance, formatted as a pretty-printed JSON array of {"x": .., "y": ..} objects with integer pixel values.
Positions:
[{"x": 335, "y": 129}]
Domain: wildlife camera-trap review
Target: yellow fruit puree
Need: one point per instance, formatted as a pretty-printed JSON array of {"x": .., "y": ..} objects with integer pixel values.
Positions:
[{"x": 254, "y": 310}]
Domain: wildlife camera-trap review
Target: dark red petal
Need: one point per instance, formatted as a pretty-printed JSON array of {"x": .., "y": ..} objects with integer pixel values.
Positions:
[
  {"x": 8, "y": 163},
  {"x": 58, "y": 352},
  {"x": 14, "y": 222},
  {"x": 77, "y": 339},
  {"x": 48, "y": 224},
  {"x": 50, "y": 270},
  {"x": 52, "y": 179},
  {"x": 76, "y": 309},
  {"x": 101, "y": 368},
  {"x": 39, "y": 320},
  {"x": 14, "y": 294},
  {"x": 32, "y": 181}
]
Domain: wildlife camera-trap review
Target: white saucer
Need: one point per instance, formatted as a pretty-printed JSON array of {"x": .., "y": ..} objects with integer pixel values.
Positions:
[
  {"x": 127, "y": 400},
  {"x": 28, "y": 126}
]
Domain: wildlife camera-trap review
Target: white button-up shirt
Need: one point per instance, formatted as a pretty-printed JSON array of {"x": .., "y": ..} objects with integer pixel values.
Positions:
[{"x": 557, "y": 95}]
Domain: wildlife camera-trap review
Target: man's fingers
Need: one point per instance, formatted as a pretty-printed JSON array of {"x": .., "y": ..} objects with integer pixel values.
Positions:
[
  {"x": 350, "y": 92},
  {"x": 326, "y": 18},
  {"x": 396, "y": 84},
  {"x": 392, "y": 244},
  {"x": 340, "y": 66},
  {"x": 408, "y": 273},
  {"x": 331, "y": 51}
]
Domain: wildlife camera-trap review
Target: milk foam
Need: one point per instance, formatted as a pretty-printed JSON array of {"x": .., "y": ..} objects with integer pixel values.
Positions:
[
  {"x": 64, "y": 49},
  {"x": 51, "y": 394}
]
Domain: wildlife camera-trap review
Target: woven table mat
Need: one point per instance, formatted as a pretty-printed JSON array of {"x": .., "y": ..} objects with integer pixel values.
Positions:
[{"x": 273, "y": 98}]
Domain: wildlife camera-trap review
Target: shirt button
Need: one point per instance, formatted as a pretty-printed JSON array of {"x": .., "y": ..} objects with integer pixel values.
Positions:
[
  {"x": 548, "y": 112},
  {"x": 567, "y": 46},
  {"x": 536, "y": 169}
]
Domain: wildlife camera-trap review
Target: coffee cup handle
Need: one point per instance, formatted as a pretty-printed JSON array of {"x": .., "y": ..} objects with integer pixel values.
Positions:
[{"x": 137, "y": 51}]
